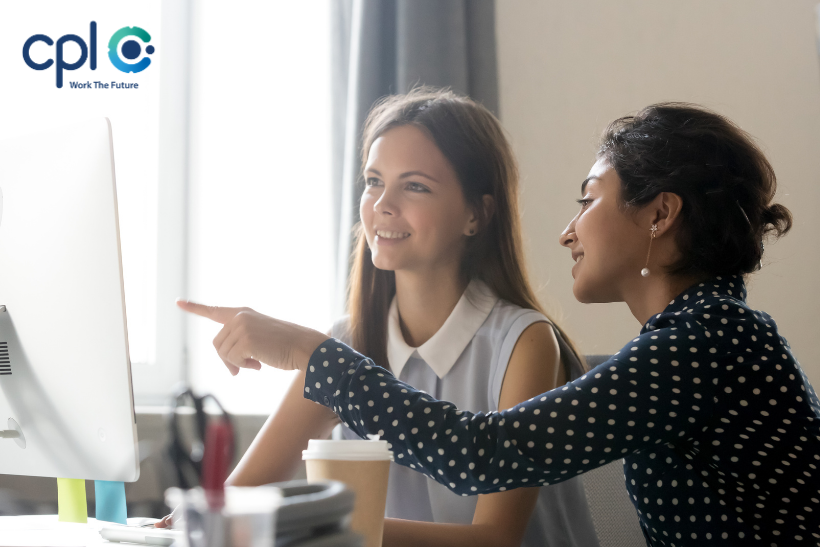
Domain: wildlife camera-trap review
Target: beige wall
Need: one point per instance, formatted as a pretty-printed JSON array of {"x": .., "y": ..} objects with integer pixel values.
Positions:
[{"x": 569, "y": 67}]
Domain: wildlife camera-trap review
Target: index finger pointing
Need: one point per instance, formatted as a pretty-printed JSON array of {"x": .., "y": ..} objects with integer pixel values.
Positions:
[{"x": 214, "y": 313}]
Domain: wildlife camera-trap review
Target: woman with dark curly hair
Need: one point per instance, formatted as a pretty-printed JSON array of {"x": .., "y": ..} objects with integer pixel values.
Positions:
[{"x": 717, "y": 424}]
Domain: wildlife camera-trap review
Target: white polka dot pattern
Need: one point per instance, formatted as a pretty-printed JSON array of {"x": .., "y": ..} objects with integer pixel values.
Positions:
[{"x": 718, "y": 426}]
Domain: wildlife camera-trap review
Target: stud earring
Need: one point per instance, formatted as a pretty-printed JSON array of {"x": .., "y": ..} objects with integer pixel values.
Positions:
[
  {"x": 472, "y": 232},
  {"x": 653, "y": 229}
]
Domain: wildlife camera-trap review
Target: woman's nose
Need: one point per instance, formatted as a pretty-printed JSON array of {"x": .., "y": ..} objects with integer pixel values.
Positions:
[
  {"x": 385, "y": 205},
  {"x": 568, "y": 237}
]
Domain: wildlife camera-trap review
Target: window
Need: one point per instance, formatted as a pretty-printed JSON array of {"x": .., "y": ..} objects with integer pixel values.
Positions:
[
  {"x": 32, "y": 102},
  {"x": 223, "y": 168},
  {"x": 260, "y": 233}
]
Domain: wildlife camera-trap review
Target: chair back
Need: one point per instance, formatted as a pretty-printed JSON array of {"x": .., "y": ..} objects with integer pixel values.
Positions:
[{"x": 614, "y": 516}]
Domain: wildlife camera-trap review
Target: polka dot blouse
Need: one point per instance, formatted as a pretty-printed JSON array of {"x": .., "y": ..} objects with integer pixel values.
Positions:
[{"x": 717, "y": 424}]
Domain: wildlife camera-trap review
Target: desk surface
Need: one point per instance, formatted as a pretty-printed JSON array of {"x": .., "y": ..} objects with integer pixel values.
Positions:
[{"x": 47, "y": 531}]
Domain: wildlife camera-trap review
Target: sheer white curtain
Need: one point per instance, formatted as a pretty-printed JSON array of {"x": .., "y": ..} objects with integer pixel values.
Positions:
[{"x": 259, "y": 196}]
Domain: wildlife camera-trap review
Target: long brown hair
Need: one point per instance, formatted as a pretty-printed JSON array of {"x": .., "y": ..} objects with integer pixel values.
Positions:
[{"x": 472, "y": 140}]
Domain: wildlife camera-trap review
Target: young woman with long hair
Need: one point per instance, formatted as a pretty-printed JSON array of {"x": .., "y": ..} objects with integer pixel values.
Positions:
[
  {"x": 718, "y": 425},
  {"x": 439, "y": 295}
]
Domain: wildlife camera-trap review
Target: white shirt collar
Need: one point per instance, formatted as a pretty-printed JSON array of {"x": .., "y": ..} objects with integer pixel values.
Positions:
[{"x": 444, "y": 348}]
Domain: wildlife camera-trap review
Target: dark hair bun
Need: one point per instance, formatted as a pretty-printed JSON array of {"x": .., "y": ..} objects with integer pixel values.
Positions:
[
  {"x": 726, "y": 183},
  {"x": 778, "y": 219}
]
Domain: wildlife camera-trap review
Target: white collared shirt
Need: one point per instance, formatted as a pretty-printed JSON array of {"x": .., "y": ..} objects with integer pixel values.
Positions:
[
  {"x": 444, "y": 348},
  {"x": 465, "y": 362}
]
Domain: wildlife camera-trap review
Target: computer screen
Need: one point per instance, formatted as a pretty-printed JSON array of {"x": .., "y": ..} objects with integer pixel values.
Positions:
[{"x": 65, "y": 378}]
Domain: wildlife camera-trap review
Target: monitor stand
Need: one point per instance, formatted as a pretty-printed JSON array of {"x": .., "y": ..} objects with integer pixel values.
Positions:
[{"x": 15, "y": 432}]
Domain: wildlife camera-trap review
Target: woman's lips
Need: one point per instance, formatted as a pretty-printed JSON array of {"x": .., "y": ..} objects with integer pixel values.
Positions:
[
  {"x": 578, "y": 261},
  {"x": 389, "y": 234},
  {"x": 389, "y": 237}
]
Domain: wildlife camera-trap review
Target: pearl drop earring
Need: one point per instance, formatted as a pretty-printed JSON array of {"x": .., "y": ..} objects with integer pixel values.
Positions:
[{"x": 653, "y": 229}]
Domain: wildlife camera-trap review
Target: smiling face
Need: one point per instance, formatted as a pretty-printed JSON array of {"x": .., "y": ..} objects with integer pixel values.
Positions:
[
  {"x": 608, "y": 243},
  {"x": 413, "y": 209}
]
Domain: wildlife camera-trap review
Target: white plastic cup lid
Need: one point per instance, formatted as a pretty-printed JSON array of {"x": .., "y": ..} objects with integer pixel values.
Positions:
[{"x": 372, "y": 450}]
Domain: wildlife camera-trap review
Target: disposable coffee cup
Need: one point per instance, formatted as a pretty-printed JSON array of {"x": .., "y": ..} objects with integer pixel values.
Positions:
[{"x": 363, "y": 466}]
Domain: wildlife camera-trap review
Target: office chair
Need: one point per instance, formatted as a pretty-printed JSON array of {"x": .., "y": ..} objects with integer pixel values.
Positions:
[{"x": 616, "y": 522}]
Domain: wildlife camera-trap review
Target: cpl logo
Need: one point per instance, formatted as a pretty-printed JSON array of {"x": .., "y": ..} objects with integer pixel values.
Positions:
[
  {"x": 131, "y": 49},
  {"x": 123, "y": 54}
]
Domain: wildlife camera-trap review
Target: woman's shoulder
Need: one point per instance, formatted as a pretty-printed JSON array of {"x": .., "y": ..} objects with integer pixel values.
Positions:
[
  {"x": 508, "y": 321},
  {"x": 505, "y": 312},
  {"x": 711, "y": 327},
  {"x": 713, "y": 324}
]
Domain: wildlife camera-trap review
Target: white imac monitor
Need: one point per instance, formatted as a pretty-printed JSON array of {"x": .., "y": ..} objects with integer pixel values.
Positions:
[{"x": 66, "y": 404}]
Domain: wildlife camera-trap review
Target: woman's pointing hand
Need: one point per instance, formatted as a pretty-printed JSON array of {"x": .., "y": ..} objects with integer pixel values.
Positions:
[{"x": 248, "y": 338}]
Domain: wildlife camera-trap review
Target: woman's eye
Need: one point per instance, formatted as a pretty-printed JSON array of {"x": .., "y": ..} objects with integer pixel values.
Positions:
[
  {"x": 372, "y": 182},
  {"x": 416, "y": 187},
  {"x": 583, "y": 202}
]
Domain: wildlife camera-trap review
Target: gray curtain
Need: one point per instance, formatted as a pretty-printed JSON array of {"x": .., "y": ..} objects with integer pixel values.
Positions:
[{"x": 383, "y": 47}]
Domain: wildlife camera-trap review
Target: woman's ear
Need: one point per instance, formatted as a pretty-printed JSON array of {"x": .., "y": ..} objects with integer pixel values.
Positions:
[
  {"x": 665, "y": 211},
  {"x": 478, "y": 221}
]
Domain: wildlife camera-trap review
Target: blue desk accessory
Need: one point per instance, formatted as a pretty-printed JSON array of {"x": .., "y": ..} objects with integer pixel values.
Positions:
[{"x": 110, "y": 496}]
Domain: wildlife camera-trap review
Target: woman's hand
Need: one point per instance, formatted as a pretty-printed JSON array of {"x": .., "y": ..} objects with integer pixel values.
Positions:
[
  {"x": 249, "y": 338},
  {"x": 165, "y": 522}
]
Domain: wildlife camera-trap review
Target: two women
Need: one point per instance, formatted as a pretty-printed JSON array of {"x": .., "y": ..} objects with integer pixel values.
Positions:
[
  {"x": 440, "y": 297},
  {"x": 717, "y": 424}
]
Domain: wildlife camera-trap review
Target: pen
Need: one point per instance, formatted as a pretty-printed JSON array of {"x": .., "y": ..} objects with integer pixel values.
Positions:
[{"x": 215, "y": 462}]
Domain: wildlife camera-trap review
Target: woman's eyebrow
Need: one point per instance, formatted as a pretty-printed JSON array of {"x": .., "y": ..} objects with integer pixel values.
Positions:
[
  {"x": 584, "y": 184},
  {"x": 403, "y": 175},
  {"x": 416, "y": 174}
]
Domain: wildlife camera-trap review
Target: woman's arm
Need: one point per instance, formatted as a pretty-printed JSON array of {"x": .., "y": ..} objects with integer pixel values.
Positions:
[
  {"x": 500, "y": 519},
  {"x": 276, "y": 451},
  {"x": 544, "y": 440},
  {"x": 411, "y": 533},
  {"x": 606, "y": 414}
]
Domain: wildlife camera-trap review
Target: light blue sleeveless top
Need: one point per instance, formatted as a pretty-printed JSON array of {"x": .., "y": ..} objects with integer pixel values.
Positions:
[{"x": 465, "y": 362}]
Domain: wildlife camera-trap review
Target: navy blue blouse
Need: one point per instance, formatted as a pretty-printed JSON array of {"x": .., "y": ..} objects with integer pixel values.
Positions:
[{"x": 717, "y": 424}]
